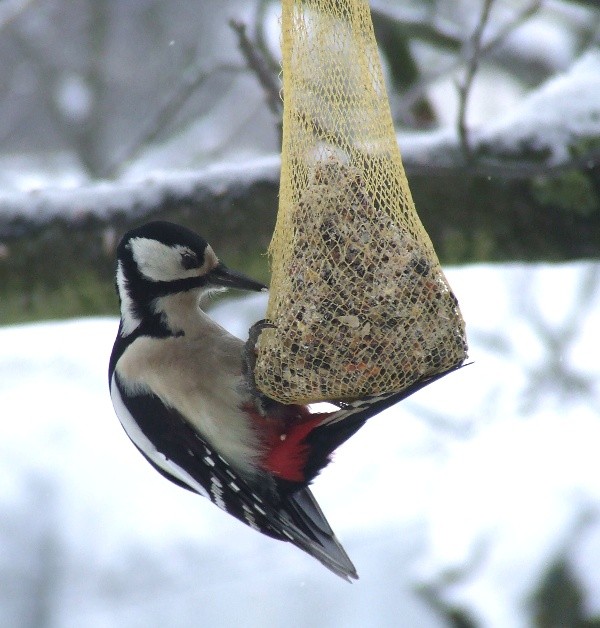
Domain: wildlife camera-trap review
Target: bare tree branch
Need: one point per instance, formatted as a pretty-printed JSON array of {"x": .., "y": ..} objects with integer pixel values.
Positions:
[
  {"x": 81, "y": 135},
  {"x": 261, "y": 66},
  {"x": 190, "y": 82},
  {"x": 409, "y": 97},
  {"x": 135, "y": 200},
  {"x": 464, "y": 88},
  {"x": 260, "y": 36},
  {"x": 12, "y": 9}
]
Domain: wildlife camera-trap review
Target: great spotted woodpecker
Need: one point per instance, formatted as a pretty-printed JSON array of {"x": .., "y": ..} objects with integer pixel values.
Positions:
[{"x": 183, "y": 390}]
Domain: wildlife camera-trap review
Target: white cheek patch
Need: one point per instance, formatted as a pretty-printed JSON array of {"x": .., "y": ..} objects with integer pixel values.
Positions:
[
  {"x": 160, "y": 262},
  {"x": 210, "y": 260}
]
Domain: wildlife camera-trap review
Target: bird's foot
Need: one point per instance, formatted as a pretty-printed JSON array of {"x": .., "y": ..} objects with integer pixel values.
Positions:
[{"x": 249, "y": 364}]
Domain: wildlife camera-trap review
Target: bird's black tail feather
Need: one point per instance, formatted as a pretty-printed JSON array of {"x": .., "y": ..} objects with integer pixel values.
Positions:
[
  {"x": 318, "y": 539},
  {"x": 351, "y": 416}
]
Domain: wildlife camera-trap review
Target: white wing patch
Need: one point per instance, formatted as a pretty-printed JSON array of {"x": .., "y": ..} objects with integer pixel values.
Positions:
[
  {"x": 354, "y": 407},
  {"x": 144, "y": 444}
]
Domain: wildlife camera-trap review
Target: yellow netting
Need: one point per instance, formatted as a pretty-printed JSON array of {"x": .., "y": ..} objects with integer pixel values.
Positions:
[{"x": 358, "y": 298}]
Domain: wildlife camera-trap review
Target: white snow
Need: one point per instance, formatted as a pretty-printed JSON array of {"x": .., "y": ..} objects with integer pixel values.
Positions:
[
  {"x": 545, "y": 39},
  {"x": 27, "y": 191},
  {"x": 74, "y": 97},
  {"x": 470, "y": 489},
  {"x": 565, "y": 108},
  {"x": 31, "y": 174}
]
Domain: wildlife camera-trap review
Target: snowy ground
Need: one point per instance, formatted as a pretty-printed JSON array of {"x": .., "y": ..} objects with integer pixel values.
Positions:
[{"x": 470, "y": 491}]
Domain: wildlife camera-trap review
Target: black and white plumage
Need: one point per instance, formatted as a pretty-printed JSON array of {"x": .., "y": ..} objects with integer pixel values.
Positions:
[{"x": 182, "y": 388}]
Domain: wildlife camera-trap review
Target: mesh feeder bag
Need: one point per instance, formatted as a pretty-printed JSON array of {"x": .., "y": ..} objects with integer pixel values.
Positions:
[{"x": 359, "y": 303}]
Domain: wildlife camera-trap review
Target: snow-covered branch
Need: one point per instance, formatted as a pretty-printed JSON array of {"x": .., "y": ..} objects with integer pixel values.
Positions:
[
  {"x": 131, "y": 200},
  {"x": 530, "y": 189}
]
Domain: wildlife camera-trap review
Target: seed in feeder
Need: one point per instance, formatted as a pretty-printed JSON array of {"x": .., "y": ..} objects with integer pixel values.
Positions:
[
  {"x": 362, "y": 291},
  {"x": 350, "y": 320}
]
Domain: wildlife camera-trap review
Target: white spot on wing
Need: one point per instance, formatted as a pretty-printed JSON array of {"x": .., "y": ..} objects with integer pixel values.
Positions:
[
  {"x": 249, "y": 517},
  {"x": 216, "y": 488}
]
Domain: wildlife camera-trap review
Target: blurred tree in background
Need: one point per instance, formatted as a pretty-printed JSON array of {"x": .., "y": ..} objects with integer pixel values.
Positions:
[{"x": 114, "y": 112}]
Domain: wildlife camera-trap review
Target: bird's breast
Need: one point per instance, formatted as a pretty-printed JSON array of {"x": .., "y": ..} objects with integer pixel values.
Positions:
[{"x": 202, "y": 384}]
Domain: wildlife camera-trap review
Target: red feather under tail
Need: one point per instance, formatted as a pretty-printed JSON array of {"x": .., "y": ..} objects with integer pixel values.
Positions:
[{"x": 287, "y": 452}]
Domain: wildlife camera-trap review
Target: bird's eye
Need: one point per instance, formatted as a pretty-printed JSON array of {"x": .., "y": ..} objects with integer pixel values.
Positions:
[{"x": 189, "y": 260}]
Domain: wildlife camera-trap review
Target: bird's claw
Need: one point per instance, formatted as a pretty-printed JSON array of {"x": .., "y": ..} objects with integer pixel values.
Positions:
[
  {"x": 255, "y": 331},
  {"x": 249, "y": 364}
]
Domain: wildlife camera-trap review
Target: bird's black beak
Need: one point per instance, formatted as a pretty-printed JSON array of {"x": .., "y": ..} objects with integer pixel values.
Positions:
[{"x": 223, "y": 276}]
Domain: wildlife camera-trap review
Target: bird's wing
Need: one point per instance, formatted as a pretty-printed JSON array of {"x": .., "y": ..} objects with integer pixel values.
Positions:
[
  {"x": 339, "y": 426},
  {"x": 180, "y": 454}
]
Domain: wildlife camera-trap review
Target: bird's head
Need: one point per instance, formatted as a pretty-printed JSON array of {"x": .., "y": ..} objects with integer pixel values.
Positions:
[{"x": 160, "y": 259}]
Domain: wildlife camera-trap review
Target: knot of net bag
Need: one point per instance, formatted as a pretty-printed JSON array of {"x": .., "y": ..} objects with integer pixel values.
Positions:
[{"x": 359, "y": 303}]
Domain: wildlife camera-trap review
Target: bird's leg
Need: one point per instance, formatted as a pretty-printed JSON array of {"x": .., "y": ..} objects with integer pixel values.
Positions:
[{"x": 263, "y": 402}]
